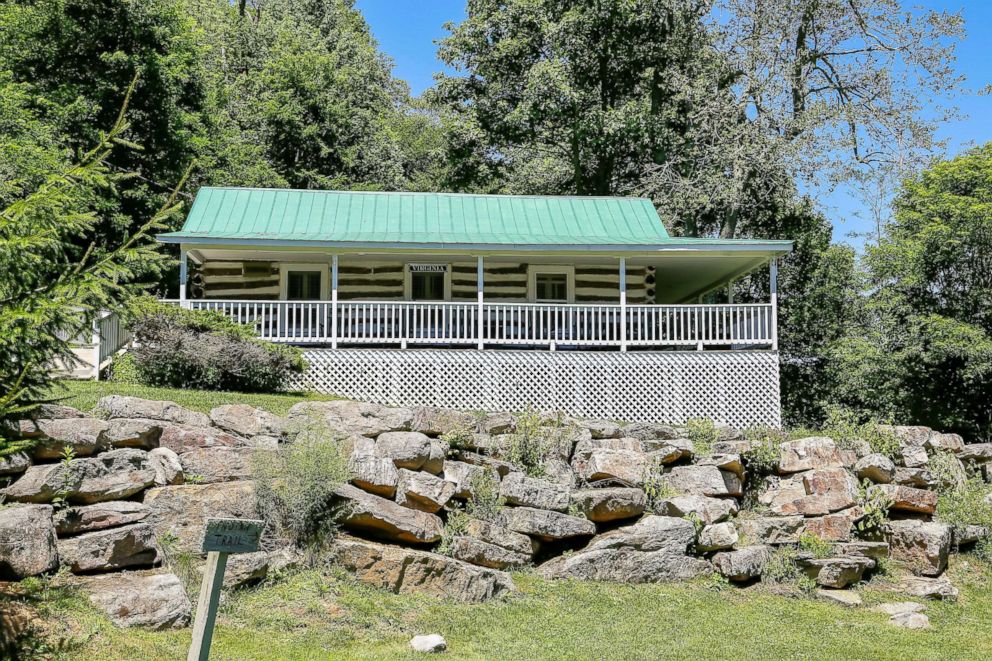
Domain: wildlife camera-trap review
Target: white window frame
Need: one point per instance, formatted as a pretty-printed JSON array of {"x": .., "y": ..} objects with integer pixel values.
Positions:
[
  {"x": 534, "y": 269},
  {"x": 408, "y": 281},
  {"x": 286, "y": 267}
]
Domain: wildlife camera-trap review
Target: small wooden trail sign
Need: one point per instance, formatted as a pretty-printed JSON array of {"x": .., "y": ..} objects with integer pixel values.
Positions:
[{"x": 221, "y": 537}]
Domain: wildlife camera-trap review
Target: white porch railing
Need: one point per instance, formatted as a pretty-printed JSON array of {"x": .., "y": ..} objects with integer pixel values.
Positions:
[{"x": 503, "y": 324}]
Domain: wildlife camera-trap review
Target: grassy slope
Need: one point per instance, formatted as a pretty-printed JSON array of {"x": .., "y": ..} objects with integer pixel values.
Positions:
[
  {"x": 84, "y": 395},
  {"x": 313, "y": 616}
]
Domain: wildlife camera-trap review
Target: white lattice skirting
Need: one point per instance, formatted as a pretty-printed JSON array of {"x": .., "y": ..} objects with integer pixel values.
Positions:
[{"x": 739, "y": 388}]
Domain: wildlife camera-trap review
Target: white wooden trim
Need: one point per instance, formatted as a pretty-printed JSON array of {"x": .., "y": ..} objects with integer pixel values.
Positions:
[
  {"x": 534, "y": 269},
  {"x": 408, "y": 279},
  {"x": 286, "y": 267}
]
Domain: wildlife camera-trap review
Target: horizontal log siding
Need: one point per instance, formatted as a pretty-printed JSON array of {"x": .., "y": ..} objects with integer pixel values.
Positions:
[{"x": 384, "y": 281}]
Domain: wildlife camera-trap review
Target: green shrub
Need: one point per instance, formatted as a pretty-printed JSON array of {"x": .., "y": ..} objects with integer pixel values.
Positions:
[
  {"x": 535, "y": 440},
  {"x": 781, "y": 567},
  {"x": 966, "y": 506},
  {"x": 812, "y": 543},
  {"x": 485, "y": 503},
  {"x": 703, "y": 434},
  {"x": 183, "y": 348},
  {"x": 655, "y": 487},
  {"x": 125, "y": 370},
  {"x": 762, "y": 454},
  {"x": 294, "y": 486},
  {"x": 875, "y": 504},
  {"x": 947, "y": 471},
  {"x": 846, "y": 427}
]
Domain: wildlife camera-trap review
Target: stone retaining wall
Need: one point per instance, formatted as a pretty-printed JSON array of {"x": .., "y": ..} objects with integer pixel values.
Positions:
[{"x": 637, "y": 502}]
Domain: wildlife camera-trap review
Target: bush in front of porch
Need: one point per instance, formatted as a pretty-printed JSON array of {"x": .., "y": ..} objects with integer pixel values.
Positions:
[{"x": 182, "y": 348}]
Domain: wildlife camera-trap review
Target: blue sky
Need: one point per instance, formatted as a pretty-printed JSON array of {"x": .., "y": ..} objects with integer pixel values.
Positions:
[{"x": 407, "y": 32}]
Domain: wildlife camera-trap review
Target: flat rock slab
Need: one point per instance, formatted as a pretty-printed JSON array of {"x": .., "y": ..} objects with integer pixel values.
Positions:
[
  {"x": 181, "y": 511},
  {"x": 809, "y": 453},
  {"x": 838, "y": 572},
  {"x": 610, "y": 504},
  {"x": 108, "y": 476},
  {"x": 223, "y": 464},
  {"x": 347, "y": 417},
  {"x": 547, "y": 525},
  {"x": 493, "y": 533},
  {"x": 771, "y": 529},
  {"x": 628, "y": 466},
  {"x": 477, "y": 552},
  {"x": 181, "y": 438},
  {"x": 248, "y": 421},
  {"x": 717, "y": 537},
  {"x": 422, "y": 491},
  {"x": 88, "y": 518},
  {"x": 625, "y": 565},
  {"x": 15, "y": 463},
  {"x": 27, "y": 541},
  {"x": 402, "y": 570},
  {"x": 84, "y": 436},
  {"x": 910, "y": 621},
  {"x": 156, "y": 601},
  {"x": 383, "y": 518},
  {"x": 908, "y": 499},
  {"x": 708, "y": 510},
  {"x": 703, "y": 481},
  {"x": 109, "y": 550},
  {"x": 937, "y": 589},
  {"x": 899, "y": 607},
  {"x": 847, "y": 598},
  {"x": 652, "y": 533},
  {"x": 518, "y": 489},
  {"x": 141, "y": 433},
  {"x": 122, "y": 406}
]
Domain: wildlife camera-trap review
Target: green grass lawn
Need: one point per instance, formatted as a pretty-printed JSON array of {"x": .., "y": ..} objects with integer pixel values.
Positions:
[
  {"x": 314, "y": 615},
  {"x": 84, "y": 395}
]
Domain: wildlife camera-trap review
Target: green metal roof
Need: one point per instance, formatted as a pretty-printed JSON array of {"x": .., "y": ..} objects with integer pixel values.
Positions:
[{"x": 284, "y": 217}]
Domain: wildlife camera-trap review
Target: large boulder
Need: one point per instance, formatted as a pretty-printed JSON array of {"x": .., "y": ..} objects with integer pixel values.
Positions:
[
  {"x": 403, "y": 570},
  {"x": 650, "y": 431},
  {"x": 438, "y": 421},
  {"x": 921, "y": 587},
  {"x": 423, "y": 491},
  {"x": 477, "y": 552},
  {"x": 383, "y": 518},
  {"x": 628, "y": 466},
  {"x": 611, "y": 504},
  {"x": 133, "y": 433},
  {"x": 834, "y": 527},
  {"x": 181, "y": 438},
  {"x": 466, "y": 477},
  {"x": 945, "y": 443},
  {"x": 907, "y": 435},
  {"x": 27, "y": 541},
  {"x": 108, "y": 550},
  {"x": 546, "y": 525},
  {"x": 922, "y": 545},
  {"x": 812, "y": 493},
  {"x": 771, "y": 529},
  {"x": 518, "y": 489},
  {"x": 157, "y": 601},
  {"x": 498, "y": 535},
  {"x": 167, "y": 466},
  {"x": 875, "y": 467},
  {"x": 908, "y": 499},
  {"x": 208, "y": 465},
  {"x": 108, "y": 476},
  {"x": 703, "y": 481},
  {"x": 180, "y": 512},
  {"x": 978, "y": 453},
  {"x": 650, "y": 551},
  {"x": 407, "y": 449},
  {"x": 84, "y": 436},
  {"x": 807, "y": 453},
  {"x": 717, "y": 537},
  {"x": 348, "y": 417},
  {"x": 372, "y": 473},
  {"x": 248, "y": 421},
  {"x": 708, "y": 510},
  {"x": 77, "y": 520},
  {"x": 742, "y": 565},
  {"x": 122, "y": 406}
]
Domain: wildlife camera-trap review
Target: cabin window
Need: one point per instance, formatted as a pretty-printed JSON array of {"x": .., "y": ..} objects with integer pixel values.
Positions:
[
  {"x": 426, "y": 286},
  {"x": 303, "y": 286},
  {"x": 551, "y": 284}
]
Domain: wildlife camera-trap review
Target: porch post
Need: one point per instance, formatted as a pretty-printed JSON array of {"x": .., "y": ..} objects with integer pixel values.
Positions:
[
  {"x": 623, "y": 304},
  {"x": 730, "y": 292},
  {"x": 182, "y": 278},
  {"x": 478, "y": 285},
  {"x": 334, "y": 301},
  {"x": 773, "y": 287}
]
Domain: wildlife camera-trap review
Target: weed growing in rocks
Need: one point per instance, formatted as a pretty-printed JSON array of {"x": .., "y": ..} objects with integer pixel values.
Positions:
[
  {"x": 656, "y": 488},
  {"x": 812, "y": 543},
  {"x": 485, "y": 503},
  {"x": 781, "y": 567},
  {"x": 968, "y": 505},
  {"x": 846, "y": 430},
  {"x": 294, "y": 486},
  {"x": 875, "y": 504},
  {"x": 536, "y": 440},
  {"x": 65, "y": 482},
  {"x": 455, "y": 526},
  {"x": 946, "y": 470},
  {"x": 456, "y": 439},
  {"x": 762, "y": 454},
  {"x": 703, "y": 434},
  {"x": 180, "y": 563}
]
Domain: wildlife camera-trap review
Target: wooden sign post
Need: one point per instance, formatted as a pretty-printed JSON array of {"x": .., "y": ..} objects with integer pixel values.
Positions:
[{"x": 222, "y": 536}]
